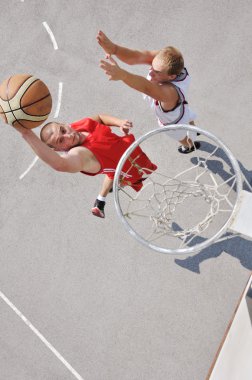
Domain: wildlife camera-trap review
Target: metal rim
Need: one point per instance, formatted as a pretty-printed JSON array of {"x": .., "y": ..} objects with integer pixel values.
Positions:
[{"x": 207, "y": 242}]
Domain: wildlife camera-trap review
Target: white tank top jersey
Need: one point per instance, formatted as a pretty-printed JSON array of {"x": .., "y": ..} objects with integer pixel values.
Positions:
[{"x": 181, "y": 113}]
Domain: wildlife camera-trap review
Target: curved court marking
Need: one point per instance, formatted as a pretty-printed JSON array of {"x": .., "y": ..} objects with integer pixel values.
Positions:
[
  {"x": 49, "y": 31},
  {"x": 59, "y": 100},
  {"x": 41, "y": 337},
  {"x": 29, "y": 167},
  {"x": 55, "y": 45},
  {"x": 56, "y": 114}
]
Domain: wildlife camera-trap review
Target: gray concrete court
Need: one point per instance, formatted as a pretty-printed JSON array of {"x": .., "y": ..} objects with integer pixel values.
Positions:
[{"x": 111, "y": 307}]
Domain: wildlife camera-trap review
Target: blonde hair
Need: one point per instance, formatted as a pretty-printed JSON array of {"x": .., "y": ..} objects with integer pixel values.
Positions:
[{"x": 172, "y": 59}]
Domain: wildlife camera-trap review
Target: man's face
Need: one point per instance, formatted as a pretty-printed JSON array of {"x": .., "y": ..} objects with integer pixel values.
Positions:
[
  {"x": 158, "y": 72},
  {"x": 62, "y": 137}
]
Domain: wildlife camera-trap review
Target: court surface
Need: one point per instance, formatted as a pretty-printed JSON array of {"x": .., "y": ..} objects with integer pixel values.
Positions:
[{"x": 99, "y": 305}]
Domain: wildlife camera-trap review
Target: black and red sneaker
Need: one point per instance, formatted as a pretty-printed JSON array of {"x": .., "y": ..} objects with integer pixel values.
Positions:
[
  {"x": 98, "y": 209},
  {"x": 185, "y": 149}
]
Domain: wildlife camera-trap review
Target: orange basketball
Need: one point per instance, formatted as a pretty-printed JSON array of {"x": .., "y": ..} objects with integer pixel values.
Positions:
[{"x": 24, "y": 100}]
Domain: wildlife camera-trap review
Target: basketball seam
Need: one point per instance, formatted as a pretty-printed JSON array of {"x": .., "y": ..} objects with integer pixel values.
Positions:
[
  {"x": 31, "y": 104},
  {"x": 9, "y": 100},
  {"x": 27, "y": 90},
  {"x": 7, "y": 95},
  {"x": 30, "y": 76},
  {"x": 28, "y": 105}
]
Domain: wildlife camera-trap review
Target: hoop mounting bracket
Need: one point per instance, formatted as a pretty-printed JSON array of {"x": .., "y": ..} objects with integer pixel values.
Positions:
[{"x": 241, "y": 222}]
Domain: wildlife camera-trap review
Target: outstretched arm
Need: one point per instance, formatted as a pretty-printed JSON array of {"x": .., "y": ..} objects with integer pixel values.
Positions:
[
  {"x": 73, "y": 162},
  {"x": 124, "y": 125},
  {"x": 166, "y": 94},
  {"x": 129, "y": 56}
]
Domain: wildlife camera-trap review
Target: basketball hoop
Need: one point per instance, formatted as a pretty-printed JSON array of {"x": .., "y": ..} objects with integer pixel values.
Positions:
[{"x": 186, "y": 211}]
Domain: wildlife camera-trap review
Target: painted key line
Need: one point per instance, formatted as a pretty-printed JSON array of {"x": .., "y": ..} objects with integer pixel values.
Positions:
[
  {"x": 40, "y": 336},
  {"x": 56, "y": 114},
  {"x": 49, "y": 31},
  {"x": 60, "y": 88}
]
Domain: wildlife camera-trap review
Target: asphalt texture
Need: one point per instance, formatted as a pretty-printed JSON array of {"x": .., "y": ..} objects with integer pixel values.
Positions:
[{"x": 111, "y": 307}]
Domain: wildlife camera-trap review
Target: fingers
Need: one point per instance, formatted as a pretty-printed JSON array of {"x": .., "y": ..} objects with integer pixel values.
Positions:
[
  {"x": 107, "y": 71},
  {"x": 111, "y": 69},
  {"x": 107, "y": 45},
  {"x": 112, "y": 59},
  {"x": 100, "y": 37},
  {"x": 109, "y": 57},
  {"x": 105, "y": 62},
  {"x": 128, "y": 124},
  {"x": 100, "y": 34},
  {"x": 105, "y": 65},
  {"x": 124, "y": 130}
]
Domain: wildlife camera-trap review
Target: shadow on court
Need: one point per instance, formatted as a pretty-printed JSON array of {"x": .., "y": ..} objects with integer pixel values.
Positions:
[
  {"x": 216, "y": 166},
  {"x": 236, "y": 246}
]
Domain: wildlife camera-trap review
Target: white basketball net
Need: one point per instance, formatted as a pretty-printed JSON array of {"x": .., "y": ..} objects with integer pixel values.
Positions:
[{"x": 163, "y": 201}]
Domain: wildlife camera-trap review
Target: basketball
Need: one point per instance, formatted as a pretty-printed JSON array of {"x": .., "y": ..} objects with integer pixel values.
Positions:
[{"x": 24, "y": 100}]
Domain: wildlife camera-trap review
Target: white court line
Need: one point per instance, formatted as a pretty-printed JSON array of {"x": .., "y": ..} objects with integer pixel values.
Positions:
[
  {"x": 55, "y": 116},
  {"x": 51, "y": 35},
  {"x": 59, "y": 100},
  {"x": 29, "y": 168},
  {"x": 59, "y": 97},
  {"x": 41, "y": 337}
]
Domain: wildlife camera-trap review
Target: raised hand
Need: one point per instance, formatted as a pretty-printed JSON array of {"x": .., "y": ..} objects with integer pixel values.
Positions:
[
  {"x": 108, "y": 46},
  {"x": 112, "y": 69},
  {"x": 125, "y": 126}
]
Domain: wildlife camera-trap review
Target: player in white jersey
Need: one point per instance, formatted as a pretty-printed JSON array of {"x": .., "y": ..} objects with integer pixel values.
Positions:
[{"x": 165, "y": 87}]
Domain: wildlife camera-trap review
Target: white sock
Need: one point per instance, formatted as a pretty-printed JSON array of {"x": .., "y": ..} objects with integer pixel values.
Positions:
[{"x": 100, "y": 198}]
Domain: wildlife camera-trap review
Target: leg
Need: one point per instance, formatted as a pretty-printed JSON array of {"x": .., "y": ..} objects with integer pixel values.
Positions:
[
  {"x": 188, "y": 145},
  {"x": 98, "y": 209}
]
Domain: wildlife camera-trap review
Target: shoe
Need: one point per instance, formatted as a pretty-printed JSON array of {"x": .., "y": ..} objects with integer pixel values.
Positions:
[
  {"x": 185, "y": 149},
  {"x": 98, "y": 209}
]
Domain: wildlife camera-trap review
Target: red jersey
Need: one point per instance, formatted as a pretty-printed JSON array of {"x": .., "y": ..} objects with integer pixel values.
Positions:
[{"x": 108, "y": 148}]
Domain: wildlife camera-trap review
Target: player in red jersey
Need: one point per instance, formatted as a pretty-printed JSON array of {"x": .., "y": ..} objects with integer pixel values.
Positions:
[{"x": 92, "y": 149}]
